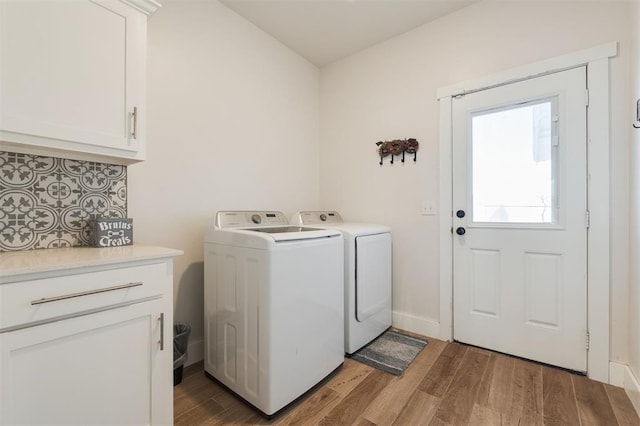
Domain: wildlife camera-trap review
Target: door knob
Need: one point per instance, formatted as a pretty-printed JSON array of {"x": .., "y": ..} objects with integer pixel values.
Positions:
[
  {"x": 461, "y": 231},
  {"x": 460, "y": 213}
]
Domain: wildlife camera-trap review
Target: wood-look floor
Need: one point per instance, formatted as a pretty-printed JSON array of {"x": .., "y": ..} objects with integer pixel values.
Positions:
[{"x": 447, "y": 383}]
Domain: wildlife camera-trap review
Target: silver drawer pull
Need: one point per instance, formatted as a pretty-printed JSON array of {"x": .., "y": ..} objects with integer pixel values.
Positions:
[
  {"x": 85, "y": 293},
  {"x": 161, "y": 331},
  {"x": 134, "y": 115}
]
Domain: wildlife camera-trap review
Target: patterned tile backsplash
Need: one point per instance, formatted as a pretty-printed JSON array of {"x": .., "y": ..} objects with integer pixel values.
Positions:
[{"x": 46, "y": 202}]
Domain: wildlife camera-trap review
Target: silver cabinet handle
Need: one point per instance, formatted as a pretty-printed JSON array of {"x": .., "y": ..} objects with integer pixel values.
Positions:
[
  {"x": 85, "y": 293},
  {"x": 161, "y": 331},
  {"x": 134, "y": 115}
]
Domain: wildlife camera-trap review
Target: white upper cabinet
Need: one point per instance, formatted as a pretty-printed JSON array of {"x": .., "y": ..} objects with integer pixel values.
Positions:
[{"x": 73, "y": 78}]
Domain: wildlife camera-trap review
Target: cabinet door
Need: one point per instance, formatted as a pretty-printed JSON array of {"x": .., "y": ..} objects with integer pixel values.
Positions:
[
  {"x": 103, "y": 368},
  {"x": 72, "y": 73}
]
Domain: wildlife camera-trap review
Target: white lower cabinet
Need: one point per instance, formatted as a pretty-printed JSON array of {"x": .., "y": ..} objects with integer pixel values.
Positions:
[
  {"x": 94, "y": 369},
  {"x": 109, "y": 364}
]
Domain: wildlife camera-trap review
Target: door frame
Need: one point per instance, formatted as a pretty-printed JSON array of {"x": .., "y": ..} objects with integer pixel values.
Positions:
[{"x": 596, "y": 59}]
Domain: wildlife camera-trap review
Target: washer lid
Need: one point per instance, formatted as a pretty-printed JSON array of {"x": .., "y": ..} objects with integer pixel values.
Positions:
[
  {"x": 287, "y": 233},
  {"x": 283, "y": 229},
  {"x": 264, "y": 225}
]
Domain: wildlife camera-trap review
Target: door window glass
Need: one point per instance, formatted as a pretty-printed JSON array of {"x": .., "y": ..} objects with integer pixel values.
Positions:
[{"x": 514, "y": 161}]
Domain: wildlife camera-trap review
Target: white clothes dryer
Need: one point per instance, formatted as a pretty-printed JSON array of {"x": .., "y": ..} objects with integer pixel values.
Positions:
[
  {"x": 367, "y": 275},
  {"x": 273, "y": 306}
]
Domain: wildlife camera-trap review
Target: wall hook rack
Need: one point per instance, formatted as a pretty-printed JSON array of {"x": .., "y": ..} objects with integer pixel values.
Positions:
[{"x": 398, "y": 147}]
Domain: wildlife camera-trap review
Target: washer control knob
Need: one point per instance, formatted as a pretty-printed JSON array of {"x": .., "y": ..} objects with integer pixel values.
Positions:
[
  {"x": 323, "y": 217},
  {"x": 256, "y": 218}
]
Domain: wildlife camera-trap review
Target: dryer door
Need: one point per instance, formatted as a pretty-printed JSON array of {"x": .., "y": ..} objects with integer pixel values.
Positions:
[{"x": 373, "y": 274}]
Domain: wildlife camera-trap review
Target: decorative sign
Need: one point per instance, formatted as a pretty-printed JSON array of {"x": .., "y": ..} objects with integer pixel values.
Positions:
[{"x": 112, "y": 232}]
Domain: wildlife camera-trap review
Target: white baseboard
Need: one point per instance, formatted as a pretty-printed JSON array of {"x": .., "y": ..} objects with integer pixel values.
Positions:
[
  {"x": 622, "y": 376},
  {"x": 617, "y": 373},
  {"x": 195, "y": 352},
  {"x": 632, "y": 387},
  {"x": 417, "y": 325}
]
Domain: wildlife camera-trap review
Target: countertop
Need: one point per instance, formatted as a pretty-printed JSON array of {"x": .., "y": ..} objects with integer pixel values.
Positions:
[{"x": 15, "y": 264}]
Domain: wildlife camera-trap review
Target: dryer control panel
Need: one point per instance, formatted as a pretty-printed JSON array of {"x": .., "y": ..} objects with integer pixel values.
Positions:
[
  {"x": 249, "y": 218},
  {"x": 318, "y": 217}
]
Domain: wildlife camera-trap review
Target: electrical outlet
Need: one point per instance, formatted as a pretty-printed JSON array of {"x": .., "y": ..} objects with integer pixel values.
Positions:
[{"x": 427, "y": 209}]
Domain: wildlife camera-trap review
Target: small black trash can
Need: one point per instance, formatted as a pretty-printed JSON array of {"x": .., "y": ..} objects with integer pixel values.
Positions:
[{"x": 180, "y": 343}]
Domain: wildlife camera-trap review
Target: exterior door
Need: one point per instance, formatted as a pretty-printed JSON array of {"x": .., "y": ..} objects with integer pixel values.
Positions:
[{"x": 520, "y": 219}]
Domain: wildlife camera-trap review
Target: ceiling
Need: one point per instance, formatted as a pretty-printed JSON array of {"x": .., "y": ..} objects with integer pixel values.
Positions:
[{"x": 326, "y": 30}]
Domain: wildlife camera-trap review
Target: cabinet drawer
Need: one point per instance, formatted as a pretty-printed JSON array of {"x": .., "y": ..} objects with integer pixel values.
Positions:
[{"x": 46, "y": 299}]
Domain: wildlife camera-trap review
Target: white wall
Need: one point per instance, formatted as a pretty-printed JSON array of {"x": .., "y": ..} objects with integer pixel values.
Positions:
[
  {"x": 634, "y": 246},
  {"x": 389, "y": 92},
  {"x": 232, "y": 124}
]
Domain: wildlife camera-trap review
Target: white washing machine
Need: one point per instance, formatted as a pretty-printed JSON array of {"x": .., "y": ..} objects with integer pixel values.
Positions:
[
  {"x": 273, "y": 306},
  {"x": 367, "y": 275}
]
